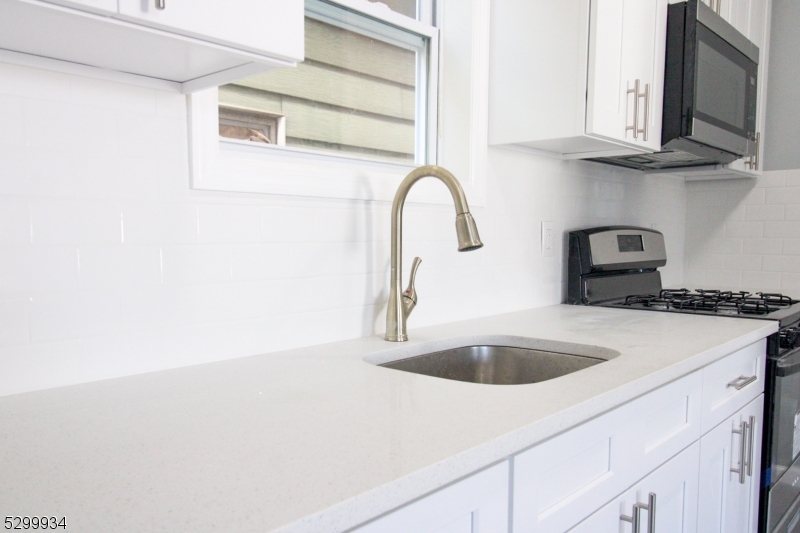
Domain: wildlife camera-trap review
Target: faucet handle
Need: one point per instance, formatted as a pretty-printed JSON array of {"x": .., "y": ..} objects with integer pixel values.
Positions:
[{"x": 410, "y": 294}]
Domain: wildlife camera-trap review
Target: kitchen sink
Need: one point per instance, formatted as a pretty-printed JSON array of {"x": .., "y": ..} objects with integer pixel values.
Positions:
[{"x": 494, "y": 365}]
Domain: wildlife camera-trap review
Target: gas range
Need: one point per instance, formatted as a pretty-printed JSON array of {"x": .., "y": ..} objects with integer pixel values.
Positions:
[
  {"x": 741, "y": 304},
  {"x": 618, "y": 267}
]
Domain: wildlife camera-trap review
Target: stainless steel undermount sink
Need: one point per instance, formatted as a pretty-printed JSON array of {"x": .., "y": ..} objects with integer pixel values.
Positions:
[{"x": 496, "y": 365}]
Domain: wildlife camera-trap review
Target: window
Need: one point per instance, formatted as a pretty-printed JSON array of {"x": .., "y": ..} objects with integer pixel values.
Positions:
[
  {"x": 362, "y": 91},
  {"x": 243, "y": 137}
]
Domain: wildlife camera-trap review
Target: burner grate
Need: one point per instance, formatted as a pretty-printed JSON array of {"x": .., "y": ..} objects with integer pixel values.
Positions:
[{"x": 712, "y": 300}]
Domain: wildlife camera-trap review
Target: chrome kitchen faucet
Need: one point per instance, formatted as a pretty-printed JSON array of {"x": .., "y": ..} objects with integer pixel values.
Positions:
[{"x": 402, "y": 303}]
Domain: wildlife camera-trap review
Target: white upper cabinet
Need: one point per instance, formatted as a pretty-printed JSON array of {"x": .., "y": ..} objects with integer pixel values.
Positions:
[
  {"x": 184, "y": 45},
  {"x": 253, "y": 25},
  {"x": 626, "y": 71},
  {"x": 570, "y": 87}
]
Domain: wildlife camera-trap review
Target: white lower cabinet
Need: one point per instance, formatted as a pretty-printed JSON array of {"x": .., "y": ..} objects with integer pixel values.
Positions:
[
  {"x": 730, "y": 472},
  {"x": 665, "y": 462},
  {"x": 665, "y": 501},
  {"x": 477, "y": 504}
]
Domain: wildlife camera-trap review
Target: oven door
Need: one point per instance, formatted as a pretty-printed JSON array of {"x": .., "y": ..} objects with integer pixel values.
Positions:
[
  {"x": 722, "y": 79},
  {"x": 783, "y": 474}
]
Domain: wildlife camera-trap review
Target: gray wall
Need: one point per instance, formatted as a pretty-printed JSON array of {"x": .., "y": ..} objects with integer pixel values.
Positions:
[{"x": 782, "y": 135}]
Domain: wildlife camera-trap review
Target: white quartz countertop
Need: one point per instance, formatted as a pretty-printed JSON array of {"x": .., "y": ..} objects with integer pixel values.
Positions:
[{"x": 316, "y": 439}]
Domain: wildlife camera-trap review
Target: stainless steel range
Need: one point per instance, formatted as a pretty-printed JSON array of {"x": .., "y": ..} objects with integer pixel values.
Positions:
[{"x": 617, "y": 266}]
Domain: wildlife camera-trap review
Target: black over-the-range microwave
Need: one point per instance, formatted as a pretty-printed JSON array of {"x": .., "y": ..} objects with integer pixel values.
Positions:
[{"x": 710, "y": 93}]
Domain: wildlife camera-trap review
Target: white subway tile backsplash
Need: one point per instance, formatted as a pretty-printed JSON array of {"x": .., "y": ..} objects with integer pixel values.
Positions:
[
  {"x": 783, "y": 195},
  {"x": 110, "y": 263},
  {"x": 772, "y": 179},
  {"x": 726, "y": 279},
  {"x": 160, "y": 223},
  {"x": 109, "y": 267},
  {"x": 287, "y": 224},
  {"x": 790, "y": 247},
  {"x": 34, "y": 83},
  {"x": 260, "y": 261},
  {"x": 761, "y": 281},
  {"x": 761, "y": 246},
  {"x": 74, "y": 315},
  {"x": 70, "y": 129},
  {"x": 792, "y": 177},
  {"x": 112, "y": 96},
  {"x": 12, "y": 122},
  {"x": 196, "y": 264},
  {"x": 781, "y": 263},
  {"x": 57, "y": 222},
  {"x": 151, "y": 136},
  {"x": 15, "y": 221},
  {"x": 742, "y": 262},
  {"x": 736, "y": 229},
  {"x": 792, "y": 212},
  {"x": 229, "y": 223},
  {"x": 170, "y": 104},
  {"x": 764, "y": 212},
  {"x": 781, "y": 229},
  {"x": 15, "y": 321}
]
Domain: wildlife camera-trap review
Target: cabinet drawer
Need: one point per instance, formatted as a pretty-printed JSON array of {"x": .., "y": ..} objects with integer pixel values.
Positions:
[
  {"x": 733, "y": 382},
  {"x": 674, "y": 491},
  {"x": 561, "y": 481},
  {"x": 477, "y": 503}
]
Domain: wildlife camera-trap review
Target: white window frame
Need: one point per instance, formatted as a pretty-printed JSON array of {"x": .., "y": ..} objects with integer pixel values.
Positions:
[{"x": 241, "y": 166}]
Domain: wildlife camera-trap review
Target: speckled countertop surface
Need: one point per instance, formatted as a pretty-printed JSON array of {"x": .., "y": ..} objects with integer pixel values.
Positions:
[{"x": 316, "y": 439}]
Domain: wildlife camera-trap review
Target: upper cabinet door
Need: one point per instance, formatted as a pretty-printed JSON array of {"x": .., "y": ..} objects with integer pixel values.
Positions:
[
  {"x": 268, "y": 27},
  {"x": 97, "y": 6},
  {"x": 626, "y": 69}
]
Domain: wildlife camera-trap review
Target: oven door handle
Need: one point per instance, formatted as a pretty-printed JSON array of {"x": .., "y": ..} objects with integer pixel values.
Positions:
[
  {"x": 742, "y": 382},
  {"x": 788, "y": 364}
]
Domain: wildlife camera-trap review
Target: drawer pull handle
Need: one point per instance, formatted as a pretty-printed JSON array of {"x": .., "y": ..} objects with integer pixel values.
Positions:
[
  {"x": 161, "y": 4},
  {"x": 742, "y": 382},
  {"x": 751, "y": 442},
  {"x": 744, "y": 463},
  {"x": 636, "y": 517}
]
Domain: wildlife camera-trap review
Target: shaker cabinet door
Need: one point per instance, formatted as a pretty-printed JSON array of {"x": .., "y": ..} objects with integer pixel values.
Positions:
[
  {"x": 477, "y": 504},
  {"x": 626, "y": 66},
  {"x": 728, "y": 501},
  {"x": 268, "y": 27},
  {"x": 673, "y": 490}
]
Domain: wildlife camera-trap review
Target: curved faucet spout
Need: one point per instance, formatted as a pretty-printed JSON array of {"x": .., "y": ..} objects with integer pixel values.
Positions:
[{"x": 468, "y": 240}]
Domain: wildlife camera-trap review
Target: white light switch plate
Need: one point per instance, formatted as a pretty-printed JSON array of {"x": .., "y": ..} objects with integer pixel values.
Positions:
[{"x": 548, "y": 238}]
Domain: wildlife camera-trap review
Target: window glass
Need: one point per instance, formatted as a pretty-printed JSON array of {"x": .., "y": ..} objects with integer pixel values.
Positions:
[
  {"x": 356, "y": 94},
  {"x": 405, "y": 7}
]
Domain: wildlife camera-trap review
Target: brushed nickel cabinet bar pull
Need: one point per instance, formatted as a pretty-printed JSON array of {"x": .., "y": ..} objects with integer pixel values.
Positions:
[
  {"x": 753, "y": 160},
  {"x": 161, "y": 4},
  {"x": 636, "y": 515},
  {"x": 742, "y": 470},
  {"x": 742, "y": 382},
  {"x": 646, "y": 96},
  {"x": 635, "y": 127},
  {"x": 750, "y": 443}
]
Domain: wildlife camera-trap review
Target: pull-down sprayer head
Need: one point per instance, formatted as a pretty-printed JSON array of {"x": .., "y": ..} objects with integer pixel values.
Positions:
[{"x": 468, "y": 238}]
